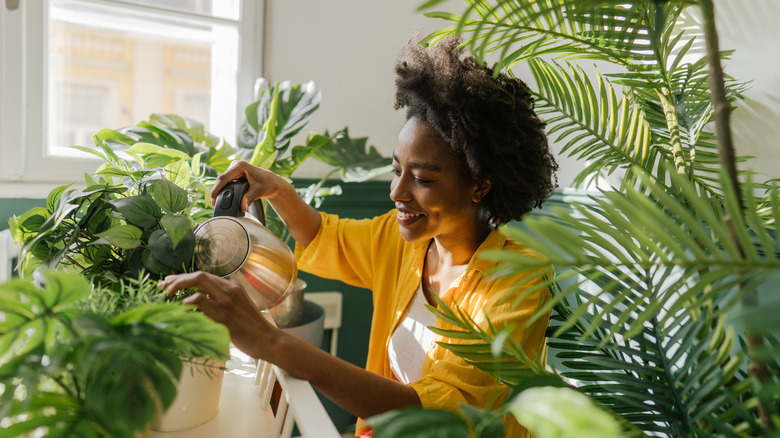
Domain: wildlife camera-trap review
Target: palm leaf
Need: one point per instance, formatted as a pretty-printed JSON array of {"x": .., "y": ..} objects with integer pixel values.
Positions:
[
  {"x": 516, "y": 31},
  {"x": 592, "y": 122},
  {"x": 677, "y": 256}
]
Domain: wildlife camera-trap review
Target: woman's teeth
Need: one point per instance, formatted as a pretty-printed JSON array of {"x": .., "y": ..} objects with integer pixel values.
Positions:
[{"x": 407, "y": 215}]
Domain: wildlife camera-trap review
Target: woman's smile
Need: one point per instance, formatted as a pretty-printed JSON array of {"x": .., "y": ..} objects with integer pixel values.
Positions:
[{"x": 407, "y": 219}]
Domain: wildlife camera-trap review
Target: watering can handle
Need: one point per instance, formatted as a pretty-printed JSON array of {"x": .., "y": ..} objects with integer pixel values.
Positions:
[{"x": 228, "y": 201}]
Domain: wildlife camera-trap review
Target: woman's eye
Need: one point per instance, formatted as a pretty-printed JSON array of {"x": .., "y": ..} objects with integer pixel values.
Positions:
[
  {"x": 397, "y": 172},
  {"x": 421, "y": 181}
]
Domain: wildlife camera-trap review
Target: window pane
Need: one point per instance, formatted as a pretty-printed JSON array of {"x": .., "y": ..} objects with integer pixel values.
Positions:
[
  {"x": 215, "y": 8},
  {"x": 111, "y": 67}
]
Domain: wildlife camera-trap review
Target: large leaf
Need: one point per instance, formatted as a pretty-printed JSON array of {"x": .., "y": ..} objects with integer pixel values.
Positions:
[
  {"x": 140, "y": 210},
  {"x": 562, "y": 413},
  {"x": 122, "y": 236},
  {"x": 31, "y": 317},
  {"x": 593, "y": 123},
  {"x": 357, "y": 161},
  {"x": 417, "y": 422},
  {"x": 171, "y": 197},
  {"x": 296, "y": 104},
  {"x": 178, "y": 258}
]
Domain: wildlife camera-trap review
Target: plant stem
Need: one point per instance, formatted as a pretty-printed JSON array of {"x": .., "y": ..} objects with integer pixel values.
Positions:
[{"x": 722, "y": 112}]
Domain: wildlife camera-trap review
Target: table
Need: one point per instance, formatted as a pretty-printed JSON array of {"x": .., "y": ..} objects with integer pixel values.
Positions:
[{"x": 241, "y": 412}]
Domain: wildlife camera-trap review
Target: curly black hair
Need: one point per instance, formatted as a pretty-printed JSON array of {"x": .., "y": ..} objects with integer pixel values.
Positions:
[{"x": 488, "y": 121}]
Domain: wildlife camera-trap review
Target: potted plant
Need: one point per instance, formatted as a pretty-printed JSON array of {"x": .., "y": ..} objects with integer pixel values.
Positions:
[
  {"x": 135, "y": 216},
  {"x": 656, "y": 314},
  {"x": 79, "y": 361}
]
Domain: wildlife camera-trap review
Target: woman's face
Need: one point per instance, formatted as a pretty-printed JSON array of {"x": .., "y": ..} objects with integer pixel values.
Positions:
[{"x": 430, "y": 192}]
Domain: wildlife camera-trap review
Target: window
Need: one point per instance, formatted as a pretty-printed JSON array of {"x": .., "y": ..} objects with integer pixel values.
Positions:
[{"x": 72, "y": 67}]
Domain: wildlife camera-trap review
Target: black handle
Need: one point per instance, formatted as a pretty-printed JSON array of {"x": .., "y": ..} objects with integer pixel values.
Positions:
[{"x": 228, "y": 201}]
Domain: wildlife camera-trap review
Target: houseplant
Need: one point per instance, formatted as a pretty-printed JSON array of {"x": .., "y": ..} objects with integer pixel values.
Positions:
[
  {"x": 135, "y": 216},
  {"x": 77, "y": 361},
  {"x": 652, "y": 282}
]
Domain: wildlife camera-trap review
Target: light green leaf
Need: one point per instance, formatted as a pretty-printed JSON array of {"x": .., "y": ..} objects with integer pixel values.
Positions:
[
  {"x": 179, "y": 173},
  {"x": 554, "y": 412},
  {"x": 123, "y": 236},
  {"x": 144, "y": 148},
  {"x": 170, "y": 196}
]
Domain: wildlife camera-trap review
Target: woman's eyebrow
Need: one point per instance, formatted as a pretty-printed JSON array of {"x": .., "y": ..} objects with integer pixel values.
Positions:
[{"x": 420, "y": 165}]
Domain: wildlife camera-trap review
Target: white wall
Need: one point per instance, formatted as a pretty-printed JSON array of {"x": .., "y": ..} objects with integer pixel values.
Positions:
[
  {"x": 348, "y": 48},
  {"x": 751, "y": 29}
]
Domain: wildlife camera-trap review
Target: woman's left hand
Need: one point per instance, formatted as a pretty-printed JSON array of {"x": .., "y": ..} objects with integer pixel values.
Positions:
[{"x": 226, "y": 302}]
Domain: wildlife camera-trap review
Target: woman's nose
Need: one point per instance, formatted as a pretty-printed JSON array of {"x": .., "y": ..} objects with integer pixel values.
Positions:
[{"x": 398, "y": 190}]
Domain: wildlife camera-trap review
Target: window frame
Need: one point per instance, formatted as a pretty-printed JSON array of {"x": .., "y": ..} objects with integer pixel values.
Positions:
[{"x": 27, "y": 168}]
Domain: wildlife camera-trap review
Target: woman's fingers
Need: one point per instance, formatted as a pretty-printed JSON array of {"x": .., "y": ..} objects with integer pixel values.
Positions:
[{"x": 236, "y": 170}]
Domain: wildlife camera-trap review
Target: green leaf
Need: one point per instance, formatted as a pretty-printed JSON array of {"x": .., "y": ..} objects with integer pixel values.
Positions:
[
  {"x": 179, "y": 172},
  {"x": 192, "y": 333},
  {"x": 54, "y": 197},
  {"x": 91, "y": 151},
  {"x": 122, "y": 236},
  {"x": 356, "y": 161},
  {"x": 171, "y": 197},
  {"x": 144, "y": 148},
  {"x": 179, "y": 258},
  {"x": 176, "y": 225},
  {"x": 279, "y": 112},
  {"x": 140, "y": 210},
  {"x": 552, "y": 412},
  {"x": 418, "y": 422},
  {"x": 28, "y": 224}
]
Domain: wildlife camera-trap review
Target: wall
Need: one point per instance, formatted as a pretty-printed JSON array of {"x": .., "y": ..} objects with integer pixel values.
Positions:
[{"x": 348, "y": 48}]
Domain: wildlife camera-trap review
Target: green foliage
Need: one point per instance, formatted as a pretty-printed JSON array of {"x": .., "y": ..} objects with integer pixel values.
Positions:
[
  {"x": 66, "y": 360},
  {"x": 281, "y": 111},
  {"x": 109, "y": 231},
  {"x": 654, "y": 63},
  {"x": 655, "y": 285},
  {"x": 552, "y": 412}
]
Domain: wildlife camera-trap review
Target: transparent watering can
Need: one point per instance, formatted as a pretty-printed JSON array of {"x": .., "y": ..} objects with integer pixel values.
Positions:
[{"x": 244, "y": 250}]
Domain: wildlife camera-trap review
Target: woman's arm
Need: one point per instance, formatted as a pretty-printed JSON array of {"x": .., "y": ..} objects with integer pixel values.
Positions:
[
  {"x": 356, "y": 390},
  {"x": 300, "y": 218}
]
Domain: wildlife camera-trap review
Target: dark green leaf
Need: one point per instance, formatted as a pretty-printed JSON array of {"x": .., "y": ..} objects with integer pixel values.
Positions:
[
  {"x": 172, "y": 198},
  {"x": 176, "y": 225},
  {"x": 417, "y": 422},
  {"x": 179, "y": 258},
  {"x": 140, "y": 210}
]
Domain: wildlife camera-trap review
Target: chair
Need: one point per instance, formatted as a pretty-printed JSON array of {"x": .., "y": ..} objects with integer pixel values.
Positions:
[{"x": 331, "y": 302}]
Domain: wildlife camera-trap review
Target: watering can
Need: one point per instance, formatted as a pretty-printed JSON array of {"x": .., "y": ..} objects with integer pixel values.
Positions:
[{"x": 242, "y": 249}]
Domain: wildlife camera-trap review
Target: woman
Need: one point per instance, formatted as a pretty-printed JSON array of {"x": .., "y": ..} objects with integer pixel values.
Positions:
[{"x": 472, "y": 155}]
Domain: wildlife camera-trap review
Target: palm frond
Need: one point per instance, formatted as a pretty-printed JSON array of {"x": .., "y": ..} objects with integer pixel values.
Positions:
[
  {"x": 678, "y": 254},
  {"x": 630, "y": 35},
  {"x": 593, "y": 122},
  {"x": 665, "y": 383}
]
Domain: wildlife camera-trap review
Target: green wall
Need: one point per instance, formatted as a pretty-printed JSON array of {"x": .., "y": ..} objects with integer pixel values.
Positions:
[{"x": 16, "y": 206}]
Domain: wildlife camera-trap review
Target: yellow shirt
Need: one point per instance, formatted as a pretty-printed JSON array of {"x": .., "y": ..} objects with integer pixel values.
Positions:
[{"x": 371, "y": 254}]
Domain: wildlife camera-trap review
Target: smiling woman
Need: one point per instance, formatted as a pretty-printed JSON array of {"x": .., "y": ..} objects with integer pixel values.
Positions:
[{"x": 450, "y": 196}]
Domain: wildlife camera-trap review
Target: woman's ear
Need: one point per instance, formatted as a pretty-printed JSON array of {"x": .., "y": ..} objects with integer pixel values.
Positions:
[{"x": 483, "y": 187}]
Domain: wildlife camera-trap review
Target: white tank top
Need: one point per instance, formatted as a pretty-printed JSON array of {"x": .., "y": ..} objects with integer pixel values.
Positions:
[{"x": 411, "y": 340}]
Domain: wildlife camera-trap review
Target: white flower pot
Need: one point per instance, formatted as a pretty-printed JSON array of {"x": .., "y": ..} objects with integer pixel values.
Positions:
[{"x": 197, "y": 398}]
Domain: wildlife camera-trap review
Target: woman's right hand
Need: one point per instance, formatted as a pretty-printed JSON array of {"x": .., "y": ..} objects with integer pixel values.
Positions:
[{"x": 262, "y": 183}]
